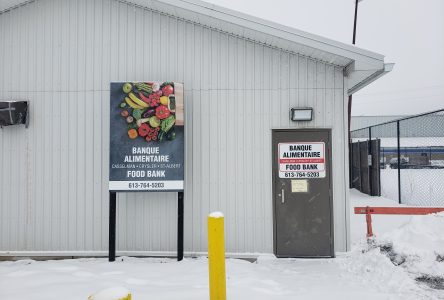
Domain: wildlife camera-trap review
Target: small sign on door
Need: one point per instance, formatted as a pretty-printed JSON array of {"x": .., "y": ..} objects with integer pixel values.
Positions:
[
  {"x": 299, "y": 186},
  {"x": 302, "y": 160}
]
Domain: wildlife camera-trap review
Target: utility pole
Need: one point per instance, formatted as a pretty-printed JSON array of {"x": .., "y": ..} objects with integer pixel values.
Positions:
[{"x": 350, "y": 98}]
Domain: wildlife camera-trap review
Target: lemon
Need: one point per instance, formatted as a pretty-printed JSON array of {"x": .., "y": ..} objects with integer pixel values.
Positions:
[{"x": 164, "y": 100}]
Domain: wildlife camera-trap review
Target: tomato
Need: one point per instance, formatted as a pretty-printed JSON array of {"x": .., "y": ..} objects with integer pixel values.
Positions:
[
  {"x": 162, "y": 112},
  {"x": 144, "y": 129},
  {"x": 167, "y": 90}
]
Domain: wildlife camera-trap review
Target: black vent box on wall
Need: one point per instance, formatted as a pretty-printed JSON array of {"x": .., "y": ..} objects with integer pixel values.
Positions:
[{"x": 13, "y": 113}]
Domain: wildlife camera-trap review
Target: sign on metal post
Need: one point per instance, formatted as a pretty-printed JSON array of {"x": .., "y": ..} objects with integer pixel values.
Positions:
[{"x": 147, "y": 143}]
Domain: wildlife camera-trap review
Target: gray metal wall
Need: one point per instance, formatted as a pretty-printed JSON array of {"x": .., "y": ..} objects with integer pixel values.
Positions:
[{"x": 62, "y": 55}]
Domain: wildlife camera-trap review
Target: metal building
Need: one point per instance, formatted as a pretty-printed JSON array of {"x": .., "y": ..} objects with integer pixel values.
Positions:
[
  {"x": 241, "y": 75},
  {"x": 358, "y": 122}
]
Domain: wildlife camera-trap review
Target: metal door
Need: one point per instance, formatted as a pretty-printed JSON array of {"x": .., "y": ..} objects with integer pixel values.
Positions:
[
  {"x": 375, "y": 172},
  {"x": 356, "y": 166},
  {"x": 303, "y": 222}
]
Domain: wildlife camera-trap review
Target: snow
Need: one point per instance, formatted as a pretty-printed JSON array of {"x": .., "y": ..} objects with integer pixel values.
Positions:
[
  {"x": 419, "y": 242},
  {"x": 420, "y": 187},
  {"x": 436, "y": 162},
  {"x": 413, "y": 142},
  {"x": 216, "y": 214},
  {"x": 404, "y": 248}
]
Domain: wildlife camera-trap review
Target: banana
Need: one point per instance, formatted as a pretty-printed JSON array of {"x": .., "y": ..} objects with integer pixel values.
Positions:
[
  {"x": 132, "y": 104},
  {"x": 137, "y": 100}
]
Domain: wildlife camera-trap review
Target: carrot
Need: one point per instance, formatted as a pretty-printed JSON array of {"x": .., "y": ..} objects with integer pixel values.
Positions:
[{"x": 132, "y": 133}]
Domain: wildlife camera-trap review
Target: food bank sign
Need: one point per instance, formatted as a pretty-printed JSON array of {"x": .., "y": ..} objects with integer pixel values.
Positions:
[
  {"x": 146, "y": 136},
  {"x": 302, "y": 160}
]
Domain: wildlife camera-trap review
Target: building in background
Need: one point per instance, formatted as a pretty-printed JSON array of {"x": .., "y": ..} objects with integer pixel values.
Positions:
[{"x": 358, "y": 122}]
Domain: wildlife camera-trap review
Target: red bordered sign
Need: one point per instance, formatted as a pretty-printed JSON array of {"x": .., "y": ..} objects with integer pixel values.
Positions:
[{"x": 301, "y": 160}]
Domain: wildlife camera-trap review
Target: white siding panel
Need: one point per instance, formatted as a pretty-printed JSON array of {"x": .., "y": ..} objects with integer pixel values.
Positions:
[{"x": 62, "y": 55}]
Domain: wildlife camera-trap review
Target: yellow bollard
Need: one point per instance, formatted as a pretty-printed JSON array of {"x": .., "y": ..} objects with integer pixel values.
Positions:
[{"x": 216, "y": 256}]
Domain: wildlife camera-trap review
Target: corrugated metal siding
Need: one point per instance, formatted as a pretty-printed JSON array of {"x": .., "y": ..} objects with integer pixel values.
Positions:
[{"x": 62, "y": 55}]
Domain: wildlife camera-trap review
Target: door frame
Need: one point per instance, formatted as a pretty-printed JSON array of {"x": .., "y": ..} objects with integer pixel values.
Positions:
[{"x": 329, "y": 171}]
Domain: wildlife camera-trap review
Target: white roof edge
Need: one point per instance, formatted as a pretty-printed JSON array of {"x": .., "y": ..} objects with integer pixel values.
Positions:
[
  {"x": 270, "y": 27},
  {"x": 388, "y": 67},
  {"x": 4, "y": 7}
]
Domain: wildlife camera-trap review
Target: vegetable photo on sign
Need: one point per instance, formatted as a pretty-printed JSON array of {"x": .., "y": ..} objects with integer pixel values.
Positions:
[
  {"x": 149, "y": 110},
  {"x": 147, "y": 136}
]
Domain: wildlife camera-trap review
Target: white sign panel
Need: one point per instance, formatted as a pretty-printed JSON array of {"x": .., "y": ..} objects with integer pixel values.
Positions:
[
  {"x": 302, "y": 160},
  {"x": 299, "y": 186}
]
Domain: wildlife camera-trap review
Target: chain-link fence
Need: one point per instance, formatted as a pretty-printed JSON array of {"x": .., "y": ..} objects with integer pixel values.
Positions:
[{"x": 411, "y": 158}]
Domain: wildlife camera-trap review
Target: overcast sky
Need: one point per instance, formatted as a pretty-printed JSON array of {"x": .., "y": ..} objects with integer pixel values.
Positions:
[{"x": 409, "y": 33}]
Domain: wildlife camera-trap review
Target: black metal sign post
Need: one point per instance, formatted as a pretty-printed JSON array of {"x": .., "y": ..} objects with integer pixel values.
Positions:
[
  {"x": 147, "y": 146},
  {"x": 112, "y": 226},
  {"x": 398, "y": 143},
  {"x": 179, "y": 226}
]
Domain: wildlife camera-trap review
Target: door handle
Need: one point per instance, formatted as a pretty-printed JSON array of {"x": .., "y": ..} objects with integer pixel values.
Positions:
[{"x": 283, "y": 196}]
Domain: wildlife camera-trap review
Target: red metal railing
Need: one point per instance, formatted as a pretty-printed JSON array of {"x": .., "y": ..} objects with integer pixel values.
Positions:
[{"x": 369, "y": 211}]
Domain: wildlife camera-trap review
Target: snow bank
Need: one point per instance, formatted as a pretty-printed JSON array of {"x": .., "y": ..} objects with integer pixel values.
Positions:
[
  {"x": 422, "y": 236},
  {"x": 406, "y": 258},
  {"x": 407, "y": 253},
  {"x": 375, "y": 269},
  {"x": 418, "y": 244}
]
